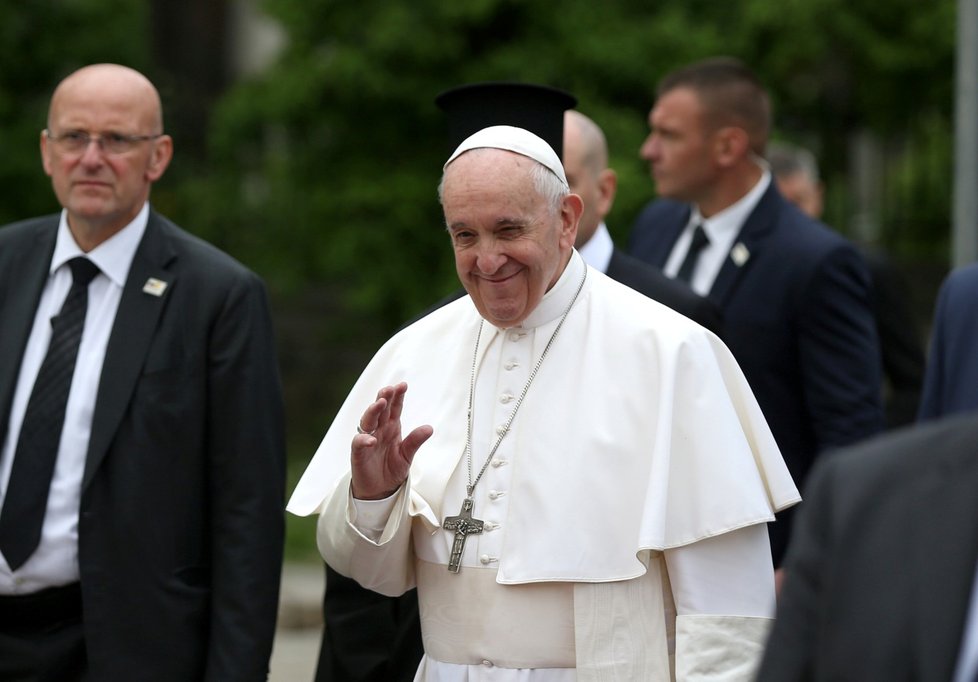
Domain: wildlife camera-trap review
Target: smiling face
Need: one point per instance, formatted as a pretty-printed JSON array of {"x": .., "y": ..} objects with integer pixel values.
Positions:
[
  {"x": 510, "y": 244},
  {"x": 103, "y": 192}
]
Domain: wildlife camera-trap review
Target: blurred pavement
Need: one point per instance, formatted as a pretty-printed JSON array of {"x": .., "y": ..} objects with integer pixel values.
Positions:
[{"x": 300, "y": 623}]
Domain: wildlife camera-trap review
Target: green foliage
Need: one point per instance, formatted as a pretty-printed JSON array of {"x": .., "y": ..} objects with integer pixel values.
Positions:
[
  {"x": 328, "y": 162},
  {"x": 41, "y": 42}
]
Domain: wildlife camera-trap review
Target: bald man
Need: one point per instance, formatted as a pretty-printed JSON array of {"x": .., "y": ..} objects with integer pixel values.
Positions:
[{"x": 142, "y": 462}]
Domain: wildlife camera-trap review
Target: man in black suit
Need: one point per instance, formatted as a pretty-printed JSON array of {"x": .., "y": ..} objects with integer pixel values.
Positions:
[
  {"x": 882, "y": 562},
  {"x": 795, "y": 296},
  {"x": 157, "y": 540}
]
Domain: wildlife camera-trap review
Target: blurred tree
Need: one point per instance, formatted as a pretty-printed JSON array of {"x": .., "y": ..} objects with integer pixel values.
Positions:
[{"x": 330, "y": 159}]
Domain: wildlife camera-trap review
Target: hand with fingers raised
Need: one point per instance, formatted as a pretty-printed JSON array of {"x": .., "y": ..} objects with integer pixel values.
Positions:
[{"x": 380, "y": 459}]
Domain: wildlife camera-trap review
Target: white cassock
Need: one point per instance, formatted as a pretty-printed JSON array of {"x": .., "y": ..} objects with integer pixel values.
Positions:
[{"x": 624, "y": 511}]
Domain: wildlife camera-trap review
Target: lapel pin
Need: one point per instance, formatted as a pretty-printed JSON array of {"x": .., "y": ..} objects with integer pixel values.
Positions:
[
  {"x": 154, "y": 287},
  {"x": 739, "y": 254}
]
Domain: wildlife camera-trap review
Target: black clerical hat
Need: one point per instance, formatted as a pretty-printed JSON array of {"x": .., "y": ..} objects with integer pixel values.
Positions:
[{"x": 537, "y": 108}]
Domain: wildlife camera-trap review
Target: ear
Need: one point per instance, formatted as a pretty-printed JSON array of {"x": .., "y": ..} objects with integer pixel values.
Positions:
[
  {"x": 571, "y": 208},
  {"x": 731, "y": 146},
  {"x": 607, "y": 187},
  {"x": 46, "y": 159},
  {"x": 159, "y": 158}
]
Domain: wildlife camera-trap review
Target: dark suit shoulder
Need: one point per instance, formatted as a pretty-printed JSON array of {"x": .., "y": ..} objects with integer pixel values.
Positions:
[
  {"x": 647, "y": 228},
  {"x": 23, "y": 229},
  {"x": 963, "y": 281},
  {"x": 648, "y": 280},
  {"x": 193, "y": 246},
  {"x": 874, "y": 467},
  {"x": 661, "y": 209},
  {"x": 198, "y": 262}
]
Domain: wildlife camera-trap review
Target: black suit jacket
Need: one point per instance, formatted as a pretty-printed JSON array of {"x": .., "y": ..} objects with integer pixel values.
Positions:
[
  {"x": 796, "y": 304},
  {"x": 650, "y": 281},
  {"x": 882, "y": 561},
  {"x": 181, "y": 520}
]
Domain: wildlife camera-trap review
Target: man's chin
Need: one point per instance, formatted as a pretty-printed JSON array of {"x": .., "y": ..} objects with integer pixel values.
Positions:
[{"x": 504, "y": 316}]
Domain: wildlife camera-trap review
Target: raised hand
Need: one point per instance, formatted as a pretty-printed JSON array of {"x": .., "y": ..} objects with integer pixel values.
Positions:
[{"x": 380, "y": 459}]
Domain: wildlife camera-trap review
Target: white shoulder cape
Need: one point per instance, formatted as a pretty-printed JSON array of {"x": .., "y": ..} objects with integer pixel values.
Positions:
[{"x": 639, "y": 434}]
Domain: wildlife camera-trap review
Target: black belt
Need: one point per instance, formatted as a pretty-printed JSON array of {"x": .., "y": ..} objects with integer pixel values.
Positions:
[{"x": 41, "y": 610}]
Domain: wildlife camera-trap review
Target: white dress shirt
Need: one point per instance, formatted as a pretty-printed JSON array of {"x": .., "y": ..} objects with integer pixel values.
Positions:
[
  {"x": 597, "y": 251},
  {"x": 55, "y": 561},
  {"x": 722, "y": 230}
]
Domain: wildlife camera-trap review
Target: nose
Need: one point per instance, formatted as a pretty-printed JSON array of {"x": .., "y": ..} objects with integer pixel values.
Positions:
[
  {"x": 489, "y": 260},
  {"x": 93, "y": 153},
  {"x": 650, "y": 148}
]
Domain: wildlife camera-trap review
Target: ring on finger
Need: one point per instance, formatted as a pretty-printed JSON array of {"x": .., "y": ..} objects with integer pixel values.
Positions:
[{"x": 361, "y": 431}]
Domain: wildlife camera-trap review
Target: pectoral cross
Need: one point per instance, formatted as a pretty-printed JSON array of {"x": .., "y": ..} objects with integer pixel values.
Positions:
[{"x": 463, "y": 525}]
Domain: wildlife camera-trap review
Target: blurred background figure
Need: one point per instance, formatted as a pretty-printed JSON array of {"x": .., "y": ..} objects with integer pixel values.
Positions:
[
  {"x": 795, "y": 296},
  {"x": 951, "y": 380},
  {"x": 796, "y": 173},
  {"x": 882, "y": 562}
]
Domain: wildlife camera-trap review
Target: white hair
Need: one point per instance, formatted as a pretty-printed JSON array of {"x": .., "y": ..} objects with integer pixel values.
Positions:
[{"x": 552, "y": 188}]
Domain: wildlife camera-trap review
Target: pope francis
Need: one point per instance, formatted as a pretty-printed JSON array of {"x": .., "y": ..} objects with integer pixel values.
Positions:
[{"x": 575, "y": 477}]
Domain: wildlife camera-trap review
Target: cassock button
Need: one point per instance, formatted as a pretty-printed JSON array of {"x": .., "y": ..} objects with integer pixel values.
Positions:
[
  {"x": 506, "y": 398},
  {"x": 485, "y": 559},
  {"x": 511, "y": 365},
  {"x": 487, "y": 663}
]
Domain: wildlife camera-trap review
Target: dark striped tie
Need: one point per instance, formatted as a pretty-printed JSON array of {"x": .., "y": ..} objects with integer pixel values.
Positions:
[{"x": 40, "y": 433}]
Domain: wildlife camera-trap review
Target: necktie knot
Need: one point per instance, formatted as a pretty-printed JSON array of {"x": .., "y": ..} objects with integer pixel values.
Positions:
[
  {"x": 699, "y": 238},
  {"x": 697, "y": 244},
  {"x": 83, "y": 270}
]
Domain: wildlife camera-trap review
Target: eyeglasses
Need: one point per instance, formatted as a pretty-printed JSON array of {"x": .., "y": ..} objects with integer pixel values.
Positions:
[{"x": 77, "y": 141}]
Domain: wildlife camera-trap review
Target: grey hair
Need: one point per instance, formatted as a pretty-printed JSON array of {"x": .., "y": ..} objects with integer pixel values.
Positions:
[
  {"x": 788, "y": 159},
  {"x": 545, "y": 182}
]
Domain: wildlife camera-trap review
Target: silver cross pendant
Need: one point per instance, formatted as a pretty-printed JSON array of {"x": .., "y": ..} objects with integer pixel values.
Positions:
[{"x": 463, "y": 525}]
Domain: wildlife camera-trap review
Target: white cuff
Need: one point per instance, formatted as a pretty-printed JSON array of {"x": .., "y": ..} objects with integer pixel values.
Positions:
[
  {"x": 370, "y": 517},
  {"x": 719, "y": 648}
]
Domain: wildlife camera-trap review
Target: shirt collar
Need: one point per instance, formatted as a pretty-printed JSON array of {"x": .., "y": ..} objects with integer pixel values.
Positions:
[
  {"x": 597, "y": 251},
  {"x": 113, "y": 256},
  {"x": 730, "y": 219}
]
